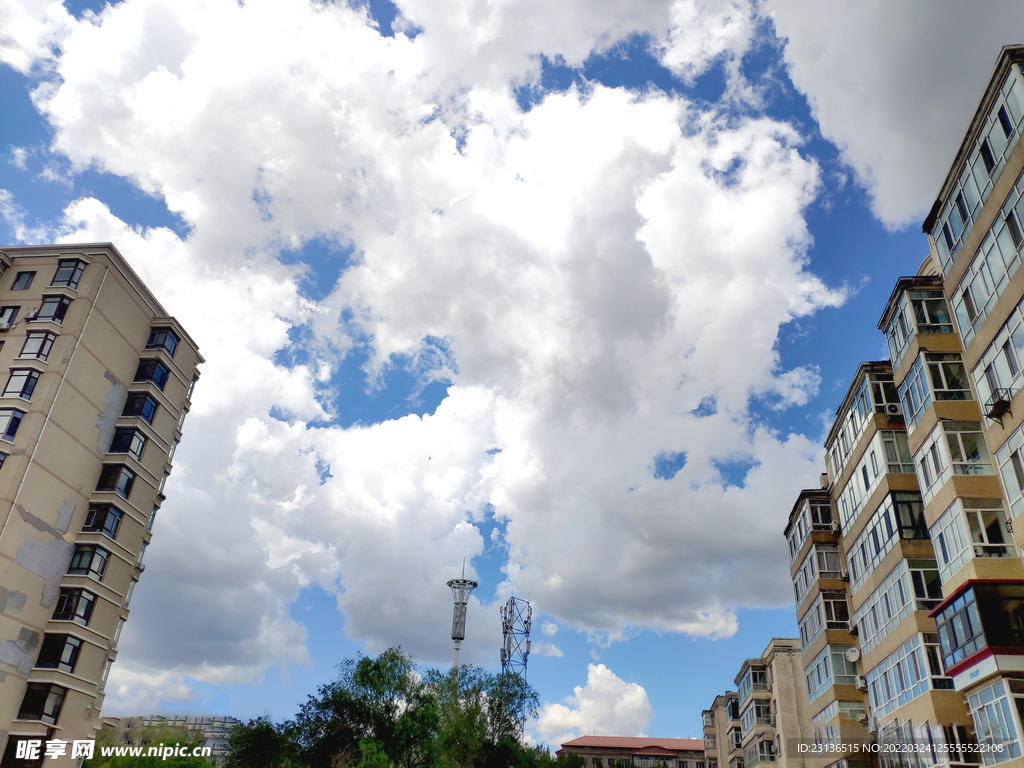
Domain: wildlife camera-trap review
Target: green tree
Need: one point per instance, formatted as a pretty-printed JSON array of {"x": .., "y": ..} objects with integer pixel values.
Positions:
[{"x": 261, "y": 743}]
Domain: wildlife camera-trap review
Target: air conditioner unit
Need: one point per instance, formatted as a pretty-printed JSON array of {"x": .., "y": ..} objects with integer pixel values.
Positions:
[
  {"x": 894, "y": 409},
  {"x": 31, "y": 314},
  {"x": 863, "y": 719},
  {"x": 5, "y": 327},
  {"x": 844, "y": 575},
  {"x": 861, "y": 683},
  {"x": 851, "y": 627},
  {"x": 835, "y": 526}
]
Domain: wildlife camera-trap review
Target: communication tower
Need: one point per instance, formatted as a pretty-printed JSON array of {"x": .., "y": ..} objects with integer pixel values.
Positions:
[
  {"x": 460, "y": 592},
  {"x": 516, "y": 618}
]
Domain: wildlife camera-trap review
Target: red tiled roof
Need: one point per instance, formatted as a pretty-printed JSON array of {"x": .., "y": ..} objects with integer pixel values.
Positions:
[{"x": 636, "y": 742}]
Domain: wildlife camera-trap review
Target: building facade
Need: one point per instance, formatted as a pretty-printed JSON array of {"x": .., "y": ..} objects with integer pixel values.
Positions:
[
  {"x": 97, "y": 380},
  {"x": 906, "y": 562},
  {"x": 640, "y": 751},
  {"x": 723, "y": 744}
]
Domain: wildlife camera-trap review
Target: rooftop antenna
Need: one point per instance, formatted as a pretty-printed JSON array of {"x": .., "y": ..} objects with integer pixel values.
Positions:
[{"x": 460, "y": 592}]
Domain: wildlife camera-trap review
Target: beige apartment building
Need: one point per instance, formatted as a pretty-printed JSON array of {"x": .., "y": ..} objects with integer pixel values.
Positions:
[
  {"x": 96, "y": 380},
  {"x": 911, "y": 539},
  {"x": 752, "y": 725}
]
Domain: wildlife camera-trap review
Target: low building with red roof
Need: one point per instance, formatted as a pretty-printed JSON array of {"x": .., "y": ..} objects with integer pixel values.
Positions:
[{"x": 619, "y": 751}]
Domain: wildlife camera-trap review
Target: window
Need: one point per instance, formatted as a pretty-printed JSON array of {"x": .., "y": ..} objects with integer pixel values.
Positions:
[
  {"x": 829, "y": 611},
  {"x": 140, "y": 404},
  {"x": 192, "y": 387},
  {"x": 912, "y": 669},
  {"x": 948, "y": 376},
  {"x": 913, "y": 585},
  {"x": 900, "y": 516},
  {"x": 59, "y": 652},
  {"x": 69, "y": 272},
  {"x": 181, "y": 420},
  {"x": 992, "y": 709},
  {"x": 117, "y": 632},
  {"x": 116, "y": 478},
  {"x": 998, "y": 371},
  {"x": 990, "y": 270},
  {"x": 74, "y": 605},
  {"x": 105, "y": 674},
  {"x": 128, "y": 440},
  {"x": 89, "y": 560},
  {"x": 952, "y": 447},
  {"x": 54, "y": 308},
  {"x": 22, "y": 383},
  {"x": 152, "y": 518},
  {"x": 103, "y": 518},
  {"x": 753, "y": 680},
  {"x": 7, "y": 314},
  {"x": 128, "y": 594},
  {"x": 996, "y": 139},
  {"x": 735, "y": 739},
  {"x": 710, "y": 742},
  {"x": 163, "y": 338},
  {"x": 163, "y": 484},
  {"x": 152, "y": 370},
  {"x": 709, "y": 721},
  {"x": 22, "y": 281},
  {"x": 821, "y": 562},
  {"x": 830, "y": 667},
  {"x": 42, "y": 701},
  {"x": 174, "y": 449},
  {"x": 10, "y": 419},
  {"x": 919, "y": 311},
  {"x": 985, "y": 614},
  {"x": 38, "y": 344}
]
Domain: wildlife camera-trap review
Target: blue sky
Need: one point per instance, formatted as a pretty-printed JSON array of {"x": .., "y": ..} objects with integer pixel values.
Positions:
[{"x": 571, "y": 290}]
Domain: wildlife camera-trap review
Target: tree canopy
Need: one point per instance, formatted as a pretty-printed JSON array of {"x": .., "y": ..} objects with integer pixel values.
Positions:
[{"x": 384, "y": 712}]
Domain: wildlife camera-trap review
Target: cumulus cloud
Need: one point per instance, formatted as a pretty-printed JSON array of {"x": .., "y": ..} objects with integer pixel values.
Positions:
[
  {"x": 895, "y": 85},
  {"x": 605, "y": 706},
  {"x": 584, "y": 275}
]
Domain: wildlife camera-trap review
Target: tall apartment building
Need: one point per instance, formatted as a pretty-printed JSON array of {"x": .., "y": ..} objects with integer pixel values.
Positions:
[
  {"x": 752, "y": 725},
  {"x": 911, "y": 541},
  {"x": 96, "y": 380}
]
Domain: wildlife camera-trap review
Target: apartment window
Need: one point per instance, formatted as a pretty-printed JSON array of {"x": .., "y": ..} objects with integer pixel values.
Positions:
[
  {"x": 900, "y": 516},
  {"x": 152, "y": 370},
  {"x": 163, "y": 484},
  {"x": 174, "y": 449},
  {"x": 140, "y": 404},
  {"x": 952, "y": 447},
  {"x": 103, "y": 518},
  {"x": 986, "y": 156},
  {"x": 152, "y": 518},
  {"x": 128, "y": 440},
  {"x": 828, "y": 668},
  {"x": 915, "y": 394},
  {"x": 765, "y": 751},
  {"x": 997, "y": 374},
  {"x": 192, "y": 387},
  {"x": 753, "y": 680},
  {"x": 911, "y": 670},
  {"x": 163, "y": 338},
  {"x": 709, "y": 722},
  {"x": 116, "y": 478},
  {"x": 22, "y": 383},
  {"x": 7, "y": 314},
  {"x": 982, "y": 615},
  {"x": 735, "y": 740},
  {"x": 69, "y": 272},
  {"x": 821, "y": 562},
  {"x": 919, "y": 311},
  {"x": 992, "y": 710},
  {"x": 948, "y": 376},
  {"x": 117, "y": 632},
  {"x": 10, "y": 419},
  {"x": 59, "y": 652},
  {"x": 128, "y": 594},
  {"x": 181, "y": 420},
  {"x": 75, "y": 605},
  {"x": 23, "y": 281},
  {"x": 913, "y": 585},
  {"x": 89, "y": 560},
  {"x": 710, "y": 743},
  {"x": 104, "y": 674},
  {"x": 54, "y": 308},
  {"x": 142, "y": 553},
  {"x": 38, "y": 344},
  {"x": 43, "y": 701}
]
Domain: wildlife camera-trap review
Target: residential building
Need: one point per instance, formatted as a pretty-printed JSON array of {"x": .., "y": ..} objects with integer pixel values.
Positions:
[
  {"x": 924, "y": 481},
  {"x": 96, "y": 383},
  {"x": 723, "y": 743},
  {"x": 618, "y": 751},
  {"x": 212, "y": 732}
]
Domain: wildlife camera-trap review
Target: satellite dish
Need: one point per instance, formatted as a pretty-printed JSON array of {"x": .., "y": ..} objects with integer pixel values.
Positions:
[{"x": 852, "y": 654}]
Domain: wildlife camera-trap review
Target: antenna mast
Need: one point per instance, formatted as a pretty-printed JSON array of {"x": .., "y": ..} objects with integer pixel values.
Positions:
[{"x": 460, "y": 592}]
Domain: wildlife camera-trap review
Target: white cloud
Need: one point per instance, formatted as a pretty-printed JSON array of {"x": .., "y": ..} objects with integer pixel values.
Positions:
[
  {"x": 606, "y": 706},
  {"x": 29, "y": 32},
  {"x": 542, "y": 648},
  {"x": 895, "y": 85},
  {"x": 594, "y": 269}
]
